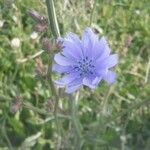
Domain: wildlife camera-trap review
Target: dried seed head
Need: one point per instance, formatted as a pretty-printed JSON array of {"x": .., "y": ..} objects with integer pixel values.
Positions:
[
  {"x": 89, "y": 4},
  {"x": 37, "y": 17},
  {"x": 40, "y": 68},
  {"x": 50, "y": 105},
  {"x": 41, "y": 21},
  {"x": 16, "y": 104}
]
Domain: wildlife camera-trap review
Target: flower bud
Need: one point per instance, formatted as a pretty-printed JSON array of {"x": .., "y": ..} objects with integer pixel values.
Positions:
[
  {"x": 59, "y": 45},
  {"x": 46, "y": 44}
]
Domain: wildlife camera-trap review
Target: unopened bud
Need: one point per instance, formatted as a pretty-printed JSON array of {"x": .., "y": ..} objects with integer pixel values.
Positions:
[
  {"x": 46, "y": 44},
  {"x": 59, "y": 44}
]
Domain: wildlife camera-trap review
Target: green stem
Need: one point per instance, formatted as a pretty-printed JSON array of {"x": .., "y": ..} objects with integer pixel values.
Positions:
[
  {"x": 35, "y": 109},
  {"x": 4, "y": 132},
  {"x": 75, "y": 122},
  {"x": 55, "y": 31},
  {"x": 56, "y": 98},
  {"x": 52, "y": 18}
]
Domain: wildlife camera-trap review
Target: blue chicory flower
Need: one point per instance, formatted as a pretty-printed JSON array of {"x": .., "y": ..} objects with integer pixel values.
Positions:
[{"x": 84, "y": 61}]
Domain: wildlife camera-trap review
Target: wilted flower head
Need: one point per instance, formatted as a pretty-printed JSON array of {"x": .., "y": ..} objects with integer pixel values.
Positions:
[
  {"x": 37, "y": 17},
  {"x": 41, "y": 21},
  {"x": 84, "y": 61},
  {"x": 16, "y": 104}
]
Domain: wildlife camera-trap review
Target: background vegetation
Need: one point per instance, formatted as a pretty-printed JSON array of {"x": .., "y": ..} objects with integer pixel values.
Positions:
[{"x": 113, "y": 117}]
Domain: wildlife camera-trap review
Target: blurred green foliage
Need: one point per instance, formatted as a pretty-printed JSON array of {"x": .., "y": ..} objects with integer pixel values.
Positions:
[{"x": 113, "y": 118}]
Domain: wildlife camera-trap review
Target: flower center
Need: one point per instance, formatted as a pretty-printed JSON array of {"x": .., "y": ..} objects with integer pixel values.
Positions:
[{"x": 85, "y": 67}]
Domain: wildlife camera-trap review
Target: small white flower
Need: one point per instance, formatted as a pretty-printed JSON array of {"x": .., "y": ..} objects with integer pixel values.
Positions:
[
  {"x": 1, "y": 23},
  {"x": 123, "y": 138},
  {"x": 34, "y": 35},
  {"x": 15, "y": 19},
  {"x": 117, "y": 129},
  {"x": 137, "y": 12},
  {"x": 15, "y": 42},
  {"x": 100, "y": 30}
]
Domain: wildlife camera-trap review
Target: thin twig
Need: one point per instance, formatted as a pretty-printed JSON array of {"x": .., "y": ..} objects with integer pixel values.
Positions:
[{"x": 30, "y": 57}]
